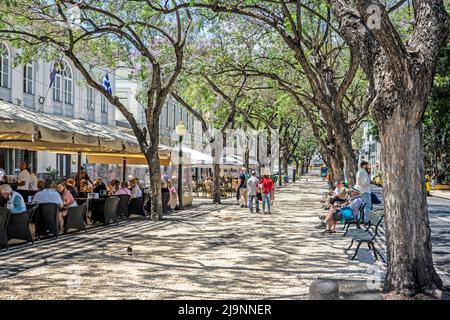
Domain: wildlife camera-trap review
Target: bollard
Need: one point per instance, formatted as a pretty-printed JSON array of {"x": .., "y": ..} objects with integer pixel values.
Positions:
[{"x": 324, "y": 290}]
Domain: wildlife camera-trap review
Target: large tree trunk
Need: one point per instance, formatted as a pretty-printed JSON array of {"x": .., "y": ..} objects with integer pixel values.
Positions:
[
  {"x": 285, "y": 166},
  {"x": 337, "y": 165},
  {"x": 297, "y": 166},
  {"x": 307, "y": 164},
  {"x": 344, "y": 143},
  {"x": 155, "y": 176},
  {"x": 247, "y": 159},
  {"x": 408, "y": 244},
  {"x": 400, "y": 77},
  {"x": 216, "y": 184}
]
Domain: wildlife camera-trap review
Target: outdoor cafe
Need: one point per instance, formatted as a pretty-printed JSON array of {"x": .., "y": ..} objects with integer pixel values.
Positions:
[{"x": 22, "y": 128}]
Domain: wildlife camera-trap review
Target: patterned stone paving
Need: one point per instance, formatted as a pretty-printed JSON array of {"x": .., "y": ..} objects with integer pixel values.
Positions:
[{"x": 206, "y": 252}]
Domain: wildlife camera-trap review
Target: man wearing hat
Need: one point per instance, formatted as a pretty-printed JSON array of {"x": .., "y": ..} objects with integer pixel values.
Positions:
[{"x": 353, "y": 202}]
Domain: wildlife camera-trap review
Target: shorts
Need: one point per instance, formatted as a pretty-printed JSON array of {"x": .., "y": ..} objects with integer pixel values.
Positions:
[{"x": 336, "y": 200}]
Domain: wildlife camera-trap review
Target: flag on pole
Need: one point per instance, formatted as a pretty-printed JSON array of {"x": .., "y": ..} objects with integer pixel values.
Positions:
[{"x": 106, "y": 84}]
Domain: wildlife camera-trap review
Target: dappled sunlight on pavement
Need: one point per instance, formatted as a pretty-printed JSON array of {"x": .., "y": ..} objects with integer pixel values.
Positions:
[{"x": 208, "y": 252}]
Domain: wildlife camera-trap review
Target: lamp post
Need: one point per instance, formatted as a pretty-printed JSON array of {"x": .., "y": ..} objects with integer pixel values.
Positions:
[{"x": 181, "y": 131}]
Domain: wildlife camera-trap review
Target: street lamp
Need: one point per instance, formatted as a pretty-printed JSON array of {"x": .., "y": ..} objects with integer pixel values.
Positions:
[{"x": 181, "y": 131}]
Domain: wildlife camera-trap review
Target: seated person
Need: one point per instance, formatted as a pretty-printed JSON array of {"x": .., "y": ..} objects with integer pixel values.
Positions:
[
  {"x": 68, "y": 201},
  {"x": 99, "y": 186},
  {"x": 84, "y": 186},
  {"x": 136, "y": 191},
  {"x": 48, "y": 195},
  {"x": 70, "y": 186},
  {"x": 15, "y": 202},
  {"x": 339, "y": 194},
  {"x": 113, "y": 186},
  {"x": 40, "y": 185},
  {"x": 123, "y": 189},
  {"x": 353, "y": 202}
]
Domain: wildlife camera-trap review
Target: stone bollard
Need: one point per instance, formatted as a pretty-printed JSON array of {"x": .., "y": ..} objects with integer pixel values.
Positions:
[{"x": 324, "y": 290}]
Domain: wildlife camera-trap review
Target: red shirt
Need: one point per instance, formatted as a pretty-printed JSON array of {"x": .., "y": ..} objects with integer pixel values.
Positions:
[{"x": 267, "y": 185}]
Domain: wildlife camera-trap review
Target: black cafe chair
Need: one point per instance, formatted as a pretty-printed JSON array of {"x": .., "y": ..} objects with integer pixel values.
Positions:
[
  {"x": 122, "y": 209},
  {"x": 110, "y": 211},
  {"x": 165, "y": 201},
  {"x": 4, "y": 218},
  {"x": 19, "y": 225},
  {"x": 75, "y": 218},
  {"x": 136, "y": 207},
  {"x": 47, "y": 219},
  {"x": 97, "y": 209}
]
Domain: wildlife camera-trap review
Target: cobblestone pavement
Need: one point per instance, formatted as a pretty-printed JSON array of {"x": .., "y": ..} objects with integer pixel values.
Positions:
[{"x": 207, "y": 252}]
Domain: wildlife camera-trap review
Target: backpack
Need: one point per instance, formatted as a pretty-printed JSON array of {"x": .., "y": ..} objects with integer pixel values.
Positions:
[{"x": 247, "y": 176}]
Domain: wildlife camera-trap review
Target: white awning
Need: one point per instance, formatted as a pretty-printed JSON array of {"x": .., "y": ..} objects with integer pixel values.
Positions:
[
  {"x": 197, "y": 158},
  {"x": 26, "y": 128},
  {"x": 191, "y": 156}
]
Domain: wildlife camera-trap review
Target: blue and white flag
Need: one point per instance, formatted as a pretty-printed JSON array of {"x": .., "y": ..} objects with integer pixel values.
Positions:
[{"x": 106, "y": 84}]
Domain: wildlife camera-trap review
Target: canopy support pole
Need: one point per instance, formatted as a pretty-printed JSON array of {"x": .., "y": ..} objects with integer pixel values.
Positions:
[
  {"x": 124, "y": 169},
  {"x": 78, "y": 169}
]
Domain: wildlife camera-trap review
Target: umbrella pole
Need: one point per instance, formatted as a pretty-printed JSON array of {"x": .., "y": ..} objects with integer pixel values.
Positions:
[
  {"x": 124, "y": 168},
  {"x": 78, "y": 170}
]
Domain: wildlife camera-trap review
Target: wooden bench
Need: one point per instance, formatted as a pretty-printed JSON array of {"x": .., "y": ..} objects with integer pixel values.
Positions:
[{"x": 368, "y": 234}]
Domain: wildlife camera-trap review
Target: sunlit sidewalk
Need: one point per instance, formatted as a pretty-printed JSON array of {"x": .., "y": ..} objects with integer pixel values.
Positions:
[
  {"x": 208, "y": 252},
  {"x": 445, "y": 194}
]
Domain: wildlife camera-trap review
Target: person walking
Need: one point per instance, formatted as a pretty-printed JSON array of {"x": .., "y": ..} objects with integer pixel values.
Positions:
[
  {"x": 252, "y": 187},
  {"x": 433, "y": 181},
  {"x": 267, "y": 190},
  {"x": 243, "y": 177},
  {"x": 363, "y": 181}
]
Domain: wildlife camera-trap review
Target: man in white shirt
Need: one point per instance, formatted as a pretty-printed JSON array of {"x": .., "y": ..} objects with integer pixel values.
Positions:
[
  {"x": 24, "y": 178},
  {"x": 136, "y": 191},
  {"x": 363, "y": 181},
  {"x": 33, "y": 180}
]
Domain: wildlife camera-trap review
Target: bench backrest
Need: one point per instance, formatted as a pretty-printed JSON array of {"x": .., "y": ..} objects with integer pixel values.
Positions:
[
  {"x": 361, "y": 211},
  {"x": 375, "y": 219}
]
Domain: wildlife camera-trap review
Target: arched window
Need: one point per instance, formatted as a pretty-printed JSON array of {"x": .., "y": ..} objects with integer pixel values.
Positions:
[
  {"x": 5, "y": 60},
  {"x": 63, "y": 75},
  {"x": 28, "y": 78},
  {"x": 90, "y": 99},
  {"x": 104, "y": 104},
  {"x": 68, "y": 85}
]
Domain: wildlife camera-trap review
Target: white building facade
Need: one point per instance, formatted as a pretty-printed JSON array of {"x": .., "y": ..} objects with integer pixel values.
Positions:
[
  {"x": 30, "y": 86},
  {"x": 171, "y": 114},
  {"x": 370, "y": 150}
]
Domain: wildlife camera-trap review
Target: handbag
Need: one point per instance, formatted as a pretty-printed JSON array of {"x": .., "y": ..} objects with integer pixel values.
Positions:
[
  {"x": 347, "y": 213},
  {"x": 375, "y": 199}
]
